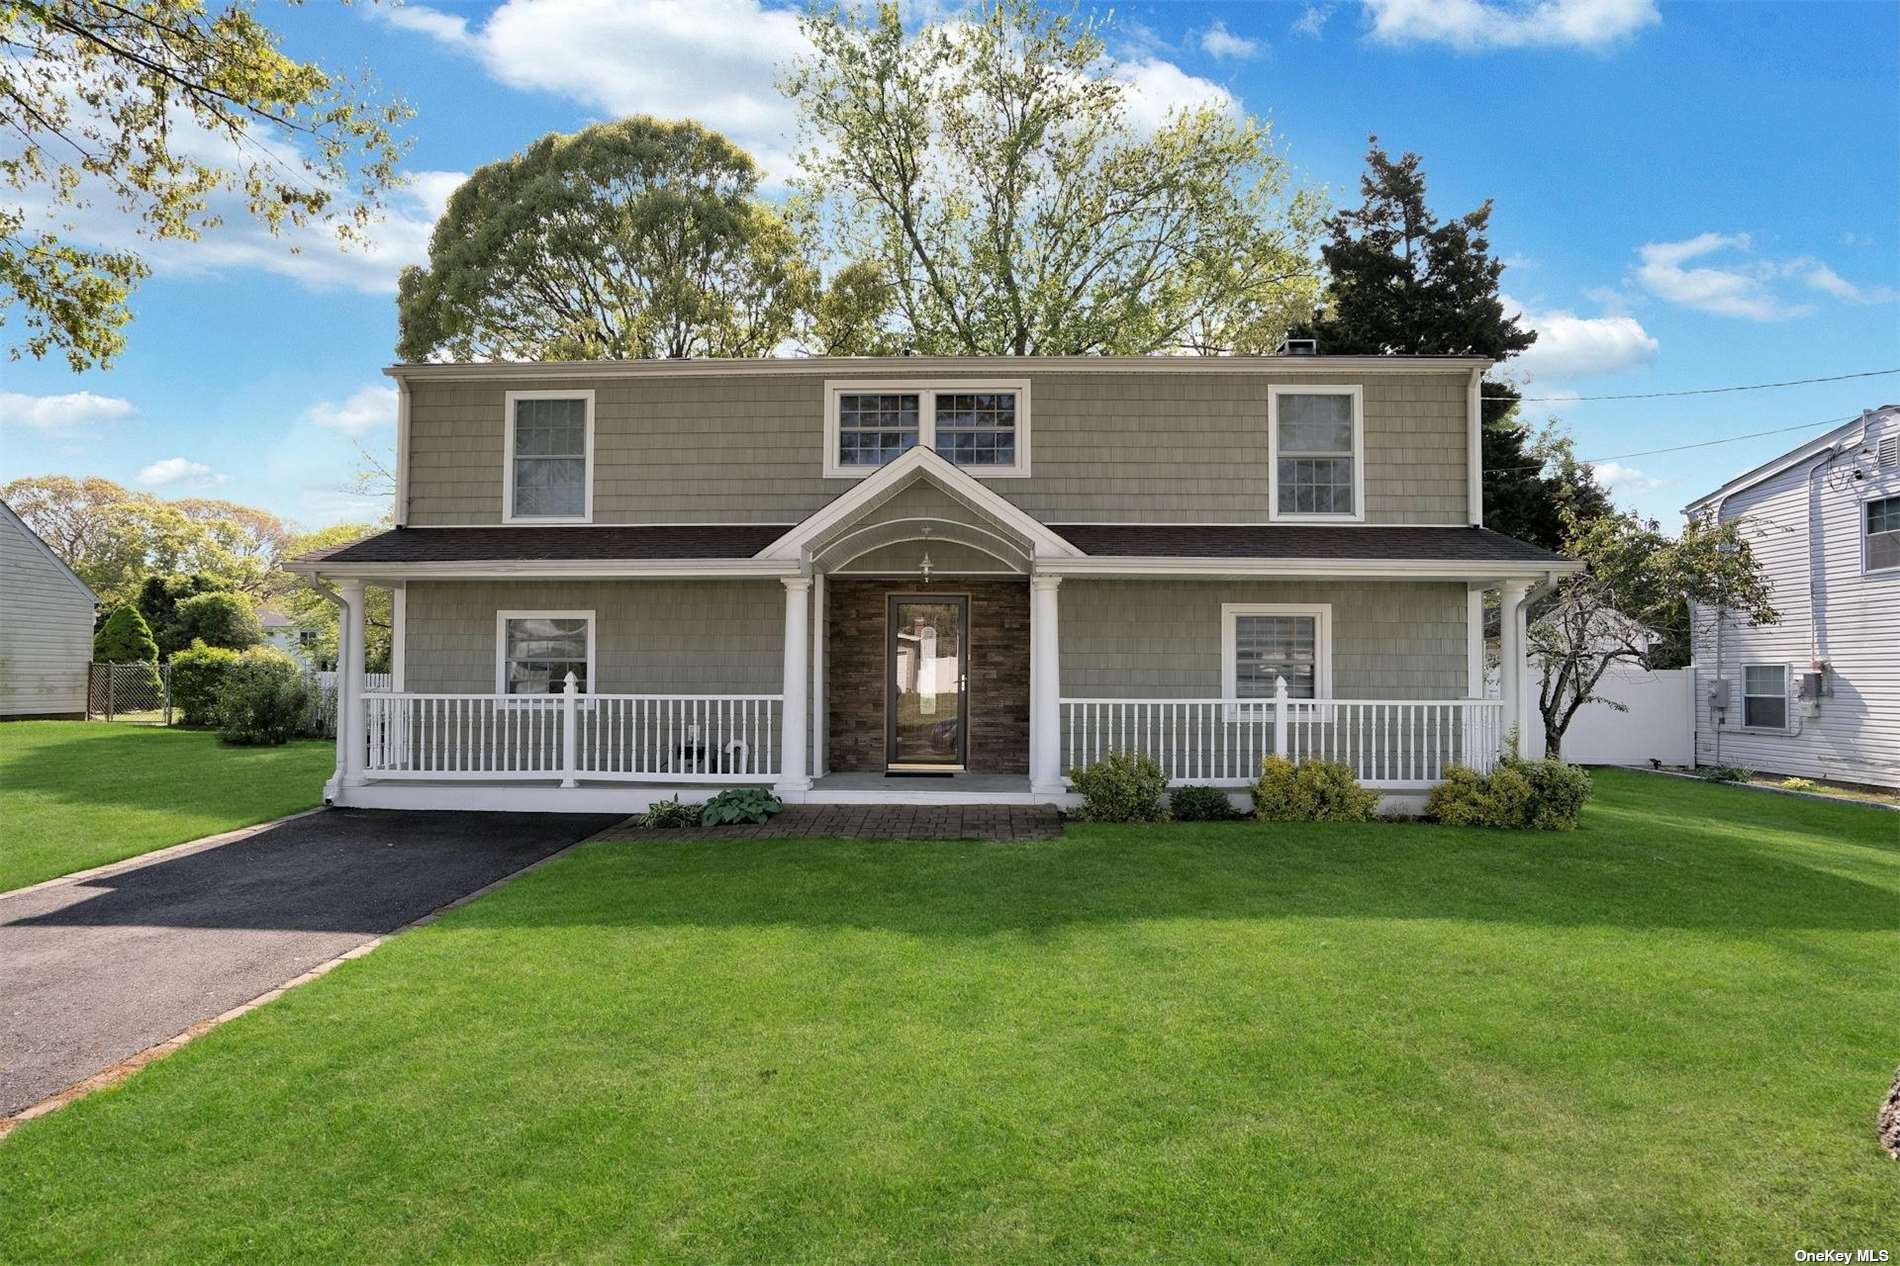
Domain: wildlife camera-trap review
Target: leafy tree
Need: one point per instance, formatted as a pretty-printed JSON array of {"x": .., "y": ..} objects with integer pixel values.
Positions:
[
  {"x": 307, "y": 608},
  {"x": 987, "y": 169},
  {"x": 125, "y": 639},
  {"x": 160, "y": 107},
  {"x": 158, "y": 602},
  {"x": 1405, "y": 282},
  {"x": 640, "y": 238},
  {"x": 224, "y": 620},
  {"x": 1634, "y": 604}
]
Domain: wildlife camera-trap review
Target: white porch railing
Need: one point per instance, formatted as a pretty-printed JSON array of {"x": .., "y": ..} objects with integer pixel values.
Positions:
[
  {"x": 1388, "y": 743},
  {"x": 651, "y": 738}
]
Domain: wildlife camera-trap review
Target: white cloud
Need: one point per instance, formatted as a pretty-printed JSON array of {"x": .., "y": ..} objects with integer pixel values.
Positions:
[
  {"x": 1312, "y": 20},
  {"x": 178, "y": 472},
  {"x": 1222, "y": 44},
  {"x": 1628, "y": 480},
  {"x": 73, "y": 411},
  {"x": 1157, "y": 89},
  {"x": 1475, "y": 25},
  {"x": 362, "y": 412},
  {"x": 1572, "y": 346},
  {"x": 714, "y": 60},
  {"x": 1740, "y": 283}
]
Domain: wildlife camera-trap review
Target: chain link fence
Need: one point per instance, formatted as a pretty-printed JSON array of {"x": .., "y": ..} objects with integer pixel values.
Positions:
[{"x": 142, "y": 694}]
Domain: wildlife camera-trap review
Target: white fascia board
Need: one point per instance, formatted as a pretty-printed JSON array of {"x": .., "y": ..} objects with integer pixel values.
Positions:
[
  {"x": 1769, "y": 469},
  {"x": 920, "y": 366},
  {"x": 919, "y": 463},
  {"x": 1321, "y": 568},
  {"x": 559, "y": 569}
]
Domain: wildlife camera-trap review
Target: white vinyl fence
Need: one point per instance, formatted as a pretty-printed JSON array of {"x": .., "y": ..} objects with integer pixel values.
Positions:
[{"x": 1659, "y": 723}]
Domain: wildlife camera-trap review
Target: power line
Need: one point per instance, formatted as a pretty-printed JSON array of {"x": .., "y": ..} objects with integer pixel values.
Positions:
[
  {"x": 1699, "y": 391},
  {"x": 1677, "y": 448}
]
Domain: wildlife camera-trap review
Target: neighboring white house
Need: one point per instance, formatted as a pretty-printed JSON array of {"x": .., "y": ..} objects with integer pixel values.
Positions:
[
  {"x": 45, "y": 627},
  {"x": 1818, "y": 694},
  {"x": 299, "y": 641}
]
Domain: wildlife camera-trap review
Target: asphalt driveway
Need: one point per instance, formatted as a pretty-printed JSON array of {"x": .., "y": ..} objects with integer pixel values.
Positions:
[{"x": 95, "y": 970}]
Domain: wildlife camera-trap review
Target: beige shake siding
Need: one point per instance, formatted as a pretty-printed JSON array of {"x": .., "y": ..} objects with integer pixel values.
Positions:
[
  {"x": 1153, "y": 446},
  {"x": 1129, "y": 638}
]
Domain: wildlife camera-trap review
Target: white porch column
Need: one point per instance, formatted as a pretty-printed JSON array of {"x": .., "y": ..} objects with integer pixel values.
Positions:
[
  {"x": 352, "y": 735},
  {"x": 1045, "y": 687},
  {"x": 794, "y": 769},
  {"x": 1511, "y": 675}
]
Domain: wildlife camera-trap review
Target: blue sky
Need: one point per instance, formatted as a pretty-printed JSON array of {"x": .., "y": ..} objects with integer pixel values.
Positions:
[{"x": 1688, "y": 195}]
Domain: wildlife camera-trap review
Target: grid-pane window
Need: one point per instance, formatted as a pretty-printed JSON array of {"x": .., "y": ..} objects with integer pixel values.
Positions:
[
  {"x": 1270, "y": 646},
  {"x": 1765, "y": 696},
  {"x": 550, "y": 459},
  {"x": 1883, "y": 533},
  {"x": 875, "y": 428},
  {"x": 538, "y": 652},
  {"x": 977, "y": 428},
  {"x": 1314, "y": 451}
]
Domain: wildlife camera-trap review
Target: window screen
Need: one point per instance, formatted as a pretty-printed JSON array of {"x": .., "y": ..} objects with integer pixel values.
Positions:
[
  {"x": 539, "y": 652},
  {"x": 1269, "y": 646},
  {"x": 550, "y": 473},
  {"x": 1883, "y": 533},
  {"x": 1314, "y": 453},
  {"x": 1765, "y": 696}
]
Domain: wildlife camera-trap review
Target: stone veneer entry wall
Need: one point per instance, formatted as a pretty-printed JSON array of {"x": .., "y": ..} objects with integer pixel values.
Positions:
[{"x": 855, "y": 670}]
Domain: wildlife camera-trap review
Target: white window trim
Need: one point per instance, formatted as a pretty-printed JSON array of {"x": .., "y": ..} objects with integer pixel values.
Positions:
[
  {"x": 926, "y": 389},
  {"x": 1787, "y": 700},
  {"x": 1358, "y": 395},
  {"x": 1866, "y": 537},
  {"x": 1238, "y": 709},
  {"x": 501, "y": 650},
  {"x": 508, "y": 514}
]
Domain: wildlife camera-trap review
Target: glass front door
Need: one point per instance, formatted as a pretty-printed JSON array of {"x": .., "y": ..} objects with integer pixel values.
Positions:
[{"x": 927, "y": 653}]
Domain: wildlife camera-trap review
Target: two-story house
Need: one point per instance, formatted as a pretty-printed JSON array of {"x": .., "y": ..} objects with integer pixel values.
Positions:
[
  {"x": 1817, "y": 694},
  {"x": 925, "y": 580}
]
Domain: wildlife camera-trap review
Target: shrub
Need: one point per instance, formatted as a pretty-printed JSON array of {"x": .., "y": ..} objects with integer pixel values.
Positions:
[
  {"x": 1798, "y": 784},
  {"x": 1312, "y": 791},
  {"x": 740, "y": 805},
  {"x": 1725, "y": 773},
  {"x": 1534, "y": 795},
  {"x": 198, "y": 676},
  {"x": 217, "y": 619},
  {"x": 125, "y": 639},
  {"x": 1201, "y": 804},
  {"x": 1122, "y": 787},
  {"x": 664, "y": 815},
  {"x": 264, "y": 701}
]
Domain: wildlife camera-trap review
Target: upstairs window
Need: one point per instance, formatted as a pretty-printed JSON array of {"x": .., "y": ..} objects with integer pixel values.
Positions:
[
  {"x": 550, "y": 443},
  {"x": 1315, "y": 437},
  {"x": 1883, "y": 534},
  {"x": 536, "y": 650},
  {"x": 1765, "y": 696},
  {"x": 981, "y": 426}
]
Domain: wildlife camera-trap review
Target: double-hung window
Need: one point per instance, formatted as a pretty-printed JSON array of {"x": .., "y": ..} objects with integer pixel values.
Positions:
[
  {"x": 1263, "y": 642},
  {"x": 1883, "y": 534},
  {"x": 980, "y": 426},
  {"x": 550, "y": 457},
  {"x": 536, "y": 650},
  {"x": 1765, "y": 696},
  {"x": 1316, "y": 457}
]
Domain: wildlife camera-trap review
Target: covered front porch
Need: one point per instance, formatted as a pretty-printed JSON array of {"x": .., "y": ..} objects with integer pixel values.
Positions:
[{"x": 919, "y": 641}]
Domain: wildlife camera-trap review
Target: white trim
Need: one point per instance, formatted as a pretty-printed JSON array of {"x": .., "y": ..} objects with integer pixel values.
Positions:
[
  {"x": 33, "y": 538},
  {"x": 642, "y": 523},
  {"x": 1474, "y": 449},
  {"x": 925, "y": 365},
  {"x": 1787, "y": 697},
  {"x": 1321, "y": 613},
  {"x": 926, "y": 390},
  {"x": 919, "y": 463},
  {"x": 557, "y": 569},
  {"x": 510, "y": 399},
  {"x": 399, "y": 513},
  {"x": 1474, "y": 644},
  {"x": 398, "y": 635},
  {"x": 1367, "y": 568},
  {"x": 501, "y": 648},
  {"x": 1874, "y": 573},
  {"x": 1357, "y": 393},
  {"x": 1064, "y": 521}
]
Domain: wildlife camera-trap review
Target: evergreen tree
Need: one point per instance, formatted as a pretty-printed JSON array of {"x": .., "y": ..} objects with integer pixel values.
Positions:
[
  {"x": 125, "y": 639},
  {"x": 1405, "y": 283}
]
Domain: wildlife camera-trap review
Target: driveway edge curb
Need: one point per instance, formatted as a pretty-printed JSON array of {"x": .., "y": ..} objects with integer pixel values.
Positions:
[{"x": 124, "y": 1069}]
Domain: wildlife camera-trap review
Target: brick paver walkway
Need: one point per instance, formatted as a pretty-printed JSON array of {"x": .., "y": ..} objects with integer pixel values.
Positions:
[{"x": 875, "y": 822}]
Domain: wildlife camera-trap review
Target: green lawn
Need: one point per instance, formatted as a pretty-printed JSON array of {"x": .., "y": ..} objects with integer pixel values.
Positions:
[
  {"x": 1661, "y": 1038},
  {"x": 75, "y": 794}
]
